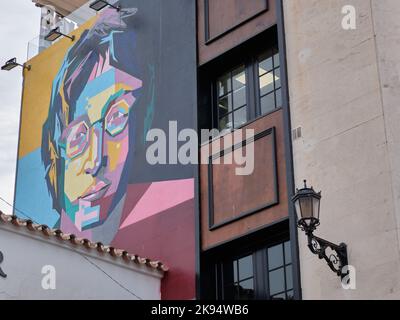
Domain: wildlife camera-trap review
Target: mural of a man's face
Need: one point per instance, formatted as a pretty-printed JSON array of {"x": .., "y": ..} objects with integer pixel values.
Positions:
[{"x": 95, "y": 144}]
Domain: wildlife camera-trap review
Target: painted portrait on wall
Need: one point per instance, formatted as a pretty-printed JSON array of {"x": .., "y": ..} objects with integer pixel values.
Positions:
[
  {"x": 88, "y": 137},
  {"x": 87, "y": 107}
]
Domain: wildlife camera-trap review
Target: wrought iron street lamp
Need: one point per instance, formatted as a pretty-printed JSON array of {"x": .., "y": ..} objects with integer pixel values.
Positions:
[{"x": 307, "y": 205}]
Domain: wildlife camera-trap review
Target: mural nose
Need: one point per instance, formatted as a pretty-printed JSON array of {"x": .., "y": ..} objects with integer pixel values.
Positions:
[{"x": 96, "y": 159}]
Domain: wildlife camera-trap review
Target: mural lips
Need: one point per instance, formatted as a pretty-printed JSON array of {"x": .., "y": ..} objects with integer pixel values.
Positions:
[{"x": 96, "y": 192}]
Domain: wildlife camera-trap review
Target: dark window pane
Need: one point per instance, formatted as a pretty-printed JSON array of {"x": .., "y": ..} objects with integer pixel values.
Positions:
[
  {"x": 266, "y": 83},
  {"x": 288, "y": 253},
  {"x": 280, "y": 296},
  {"x": 239, "y": 78},
  {"x": 289, "y": 278},
  {"x": 276, "y": 60},
  {"x": 225, "y": 105},
  {"x": 277, "y": 78},
  {"x": 239, "y": 98},
  {"x": 224, "y": 84},
  {"x": 276, "y": 281},
  {"x": 290, "y": 295},
  {"x": 275, "y": 257},
  {"x": 225, "y": 122},
  {"x": 235, "y": 271},
  {"x": 265, "y": 64},
  {"x": 267, "y": 103},
  {"x": 240, "y": 117},
  {"x": 245, "y": 267},
  {"x": 278, "y": 94},
  {"x": 230, "y": 291},
  {"x": 228, "y": 272},
  {"x": 246, "y": 290}
]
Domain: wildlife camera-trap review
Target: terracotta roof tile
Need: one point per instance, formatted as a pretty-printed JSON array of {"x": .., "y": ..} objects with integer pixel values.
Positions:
[{"x": 60, "y": 235}]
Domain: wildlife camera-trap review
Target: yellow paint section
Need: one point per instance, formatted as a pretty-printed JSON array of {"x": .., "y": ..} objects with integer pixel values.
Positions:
[
  {"x": 113, "y": 150},
  {"x": 37, "y": 88}
]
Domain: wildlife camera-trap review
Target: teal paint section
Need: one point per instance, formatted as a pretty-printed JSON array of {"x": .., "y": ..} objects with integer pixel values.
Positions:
[
  {"x": 150, "y": 109},
  {"x": 33, "y": 201}
]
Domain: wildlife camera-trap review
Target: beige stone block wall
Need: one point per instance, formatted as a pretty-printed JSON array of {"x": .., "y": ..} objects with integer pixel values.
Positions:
[{"x": 344, "y": 93}]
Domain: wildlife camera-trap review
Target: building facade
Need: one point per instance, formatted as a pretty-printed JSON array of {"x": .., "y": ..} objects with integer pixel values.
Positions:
[
  {"x": 38, "y": 263},
  {"x": 315, "y": 82}
]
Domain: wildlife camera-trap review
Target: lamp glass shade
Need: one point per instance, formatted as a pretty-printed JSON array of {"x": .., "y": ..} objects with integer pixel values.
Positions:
[
  {"x": 316, "y": 203},
  {"x": 297, "y": 207},
  {"x": 306, "y": 207}
]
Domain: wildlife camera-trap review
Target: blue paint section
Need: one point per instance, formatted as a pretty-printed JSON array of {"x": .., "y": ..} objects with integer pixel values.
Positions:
[
  {"x": 110, "y": 39},
  {"x": 93, "y": 88},
  {"x": 32, "y": 198},
  {"x": 88, "y": 211}
]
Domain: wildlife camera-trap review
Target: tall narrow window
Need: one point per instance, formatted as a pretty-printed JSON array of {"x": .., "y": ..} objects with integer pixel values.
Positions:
[
  {"x": 269, "y": 80},
  {"x": 280, "y": 271},
  {"x": 239, "y": 279},
  {"x": 232, "y": 104}
]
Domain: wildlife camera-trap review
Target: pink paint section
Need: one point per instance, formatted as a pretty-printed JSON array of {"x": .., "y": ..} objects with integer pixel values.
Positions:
[
  {"x": 159, "y": 197},
  {"x": 94, "y": 72},
  {"x": 99, "y": 69},
  {"x": 81, "y": 217},
  {"x": 68, "y": 227},
  {"x": 123, "y": 77}
]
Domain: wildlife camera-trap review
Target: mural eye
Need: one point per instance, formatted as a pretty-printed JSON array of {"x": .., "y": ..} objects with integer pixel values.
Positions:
[
  {"x": 117, "y": 118},
  {"x": 77, "y": 140}
]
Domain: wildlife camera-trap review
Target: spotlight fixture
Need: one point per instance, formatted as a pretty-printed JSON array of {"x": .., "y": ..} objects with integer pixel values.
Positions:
[
  {"x": 100, "y": 4},
  {"x": 55, "y": 33},
  {"x": 307, "y": 205},
  {"x": 12, "y": 63}
]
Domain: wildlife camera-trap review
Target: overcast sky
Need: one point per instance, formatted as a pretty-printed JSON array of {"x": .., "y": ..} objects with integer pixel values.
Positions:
[{"x": 19, "y": 23}]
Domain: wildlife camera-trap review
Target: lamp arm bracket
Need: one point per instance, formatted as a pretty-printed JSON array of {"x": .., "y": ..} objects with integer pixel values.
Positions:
[{"x": 336, "y": 260}]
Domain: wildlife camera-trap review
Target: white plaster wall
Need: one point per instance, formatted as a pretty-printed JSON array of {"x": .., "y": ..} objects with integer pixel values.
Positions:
[
  {"x": 80, "y": 273},
  {"x": 386, "y": 17},
  {"x": 344, "y": 93}
]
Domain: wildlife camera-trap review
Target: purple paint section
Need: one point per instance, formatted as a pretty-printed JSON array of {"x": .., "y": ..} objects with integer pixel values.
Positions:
[{"x": 123, "y": 77}]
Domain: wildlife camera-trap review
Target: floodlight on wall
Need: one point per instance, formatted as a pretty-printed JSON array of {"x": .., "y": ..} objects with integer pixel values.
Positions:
[
  {"x": 12, "y": 63},
  {"x": 100, "y": 4},
  {"x": 307, "y": 205},
  {"x": 55, "y": 33}
]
